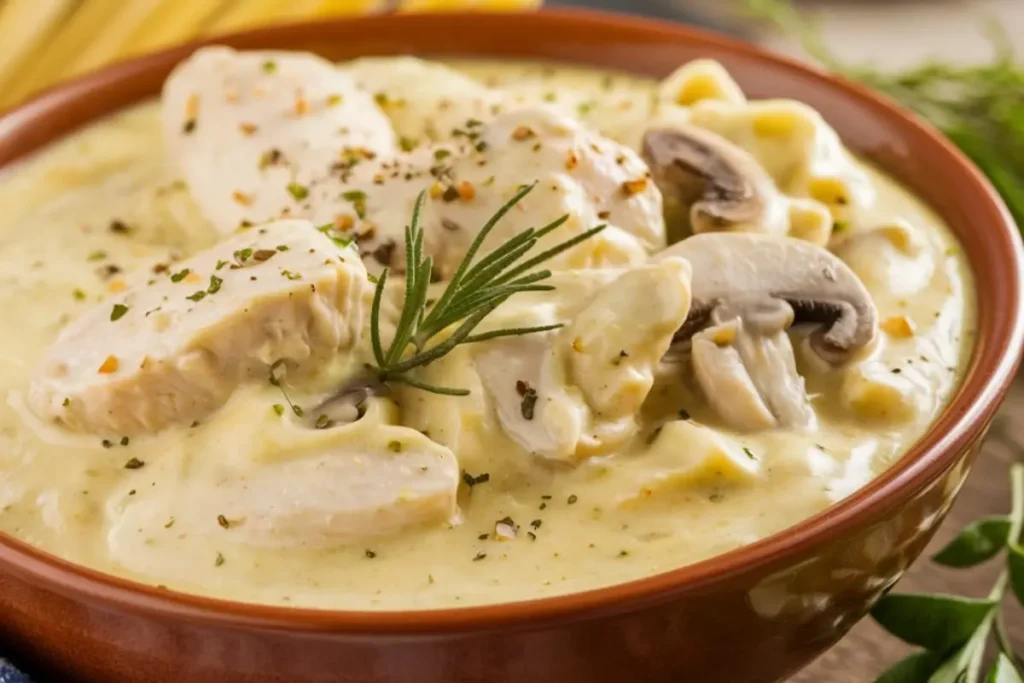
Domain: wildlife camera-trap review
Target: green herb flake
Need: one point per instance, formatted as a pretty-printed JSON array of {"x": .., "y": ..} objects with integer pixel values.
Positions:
[
  {"x": 269, "y": 66},
  {"x": 279, "y": 409},
  {"x": 67, "y": 402},
  {"x": 197, "y": 296},
  {"x": 180, "y": 275},
  {"x": 242, "y": 255},
  {"x": 134, "y": 464},
  {"x": 118, "y": 312},
  {"x": 297, "y": 191},
  {"x": 747, "y": 452},
  {"x": 78, "y": 295},
  {"x": 98, "y": 255},
  {"x": 220, "y": 264},
  {"x": 215, "y": 283},
  {"x": 219, "y": 560},
  {"x": 223, "y": 522}
]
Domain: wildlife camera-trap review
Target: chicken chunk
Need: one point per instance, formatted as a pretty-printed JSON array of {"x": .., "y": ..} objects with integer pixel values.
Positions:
[
  {"x": 249, "y": 129},
  {"x": 324, "y": 488},
  {"x": 576, "y": 393},
  {"x": 369, "y": 196},
  {"x": 171, "y": 349},
  {"x": 425, "y": 101}
]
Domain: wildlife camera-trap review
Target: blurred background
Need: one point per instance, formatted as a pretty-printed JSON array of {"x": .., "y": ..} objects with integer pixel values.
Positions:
[{"x": 45, "y": 41}]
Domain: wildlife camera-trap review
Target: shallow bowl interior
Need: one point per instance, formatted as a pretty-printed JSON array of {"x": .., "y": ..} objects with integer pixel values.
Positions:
[{"x": 916, "y": 155}]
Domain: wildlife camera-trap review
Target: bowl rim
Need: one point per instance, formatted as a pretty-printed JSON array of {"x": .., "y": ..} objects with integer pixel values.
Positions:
[{"x": 954, "y": 430}]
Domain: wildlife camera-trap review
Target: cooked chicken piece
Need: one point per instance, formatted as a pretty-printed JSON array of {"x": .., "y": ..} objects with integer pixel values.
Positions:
[
  {"x": 324, "y": 488},
  {"x": 251, "y": 130},
  {"x": 171, "y": 349},
  {"x": 425, "y": 101},
  {"x": 576, "y": 392},
  {"x": 370, "y": 198}
]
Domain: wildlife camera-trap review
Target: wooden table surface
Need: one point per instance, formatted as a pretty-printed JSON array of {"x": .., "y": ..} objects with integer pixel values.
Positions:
[{"x": 867, "y": 650}]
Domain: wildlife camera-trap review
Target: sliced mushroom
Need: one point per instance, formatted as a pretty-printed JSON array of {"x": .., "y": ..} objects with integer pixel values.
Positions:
[
  {"x": 348, "y": 403},
  {"x": 710, "y": 184},
  {"x": 748, "y": 289}
]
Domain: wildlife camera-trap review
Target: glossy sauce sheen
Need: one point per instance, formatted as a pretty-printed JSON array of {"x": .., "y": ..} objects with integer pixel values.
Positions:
[{"x": 664, "y": 500}]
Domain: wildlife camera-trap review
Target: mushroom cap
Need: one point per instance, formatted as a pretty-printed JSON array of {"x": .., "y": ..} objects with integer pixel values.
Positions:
[
  {"x": 755, "y": 273},
  {"x": 721, "y": 183}
]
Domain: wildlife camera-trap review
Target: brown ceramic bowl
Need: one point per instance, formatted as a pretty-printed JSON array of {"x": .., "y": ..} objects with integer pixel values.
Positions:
[{"x": 753, "y": 615}]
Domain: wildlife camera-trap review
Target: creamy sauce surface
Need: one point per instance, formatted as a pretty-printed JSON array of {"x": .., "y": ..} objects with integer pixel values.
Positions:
[{"x": 101, "y": 207}]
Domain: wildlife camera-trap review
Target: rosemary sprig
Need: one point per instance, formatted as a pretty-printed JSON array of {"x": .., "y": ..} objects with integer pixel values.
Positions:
[{"x": 473, "y": 292}]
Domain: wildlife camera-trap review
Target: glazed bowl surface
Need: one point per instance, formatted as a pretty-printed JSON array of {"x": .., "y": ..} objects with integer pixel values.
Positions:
[{"x": 753, "y": 615}]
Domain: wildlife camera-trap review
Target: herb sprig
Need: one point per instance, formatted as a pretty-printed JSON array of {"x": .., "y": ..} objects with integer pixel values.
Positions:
[
  {"x": 472, "y": 293},
  {"x": 955, "y": 631},
  {"x": 980, "y": 108}
]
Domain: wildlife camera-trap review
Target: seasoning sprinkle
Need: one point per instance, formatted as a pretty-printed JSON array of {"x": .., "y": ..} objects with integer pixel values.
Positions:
[
  {"x": 134, "y": 464},
  {"x": 472, "y": 481},
  {"x": 223, "y": 522},
  {"x": 118, "y": 312},
  {"x": 279, "y": 409},
  {"x": 297, "y": 191},
  {"x": 180, "y": 275},
  {"x": 219, "y": 561},
  {"x": 370, "y": 554}
]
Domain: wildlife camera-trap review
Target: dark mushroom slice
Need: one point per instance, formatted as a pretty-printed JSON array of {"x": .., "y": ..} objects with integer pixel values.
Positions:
[
  {"x": 348, "y": 403},
  {"x": 710, "y": 184},
  {"x": 747, "y": 290}
]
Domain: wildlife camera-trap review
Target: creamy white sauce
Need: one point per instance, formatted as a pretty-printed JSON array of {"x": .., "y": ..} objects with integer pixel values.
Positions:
[{"x": 672, "y": 495}]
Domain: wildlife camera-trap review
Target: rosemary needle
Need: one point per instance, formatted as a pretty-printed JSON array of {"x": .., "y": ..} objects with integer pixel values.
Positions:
[{"x": 473, "y": 292}]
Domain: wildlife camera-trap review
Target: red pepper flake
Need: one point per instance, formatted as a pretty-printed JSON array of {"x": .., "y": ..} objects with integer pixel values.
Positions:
[
  {"x": 248, "y": 128},
  {"x": 344, "y": 222},
  {"x": 301, "y": 103},
  {"x": 571, "y": 161},
  {"x": 241, "y": 197},
  {"x": 466, "y": 191},
  {"x": 636, "y": 186},
  {"x": 522, "y": 133},
  {"x": 109, "y": 366},
  {"x": 604, "y": 215}
]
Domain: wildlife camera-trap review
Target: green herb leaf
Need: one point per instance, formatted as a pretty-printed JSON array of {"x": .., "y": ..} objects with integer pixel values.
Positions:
[
  {"x": 977, "y": 543},
  {"x": 936, "y": 622},
  {"x": 1015, "y": 558},
  {"x": 118, "y": 312},
  {"x": 1004, "y": 671},
  {"x": 917, "y": 668}
]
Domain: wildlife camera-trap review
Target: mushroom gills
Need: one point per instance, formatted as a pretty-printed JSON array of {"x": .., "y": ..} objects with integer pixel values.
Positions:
[
  {"x": 747, "y": 372},
  {"x": 710, "y": 184},
  {"x": 748, "y": 290}
]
